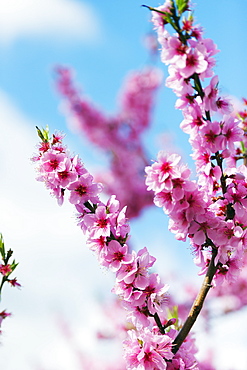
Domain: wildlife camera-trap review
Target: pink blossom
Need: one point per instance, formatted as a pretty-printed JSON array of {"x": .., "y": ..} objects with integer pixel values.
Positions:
[
  {"x": 57, "y": 191},
  {"x": 84, "y": 190},
  {"x": 124, "y": 291},
  {"x": 68, "y": 175},
  {"x": 193, "y": 119},
  {"x": 184, "y": 359},
  {"x": 210, "y": 134},
  {"x": 180, "y": 86},
  {"x": 98, "y": 223},
  {"x": 203, "y": 160},
  {"x": 14, "y": 283},
  {"x": 202, "y": 257},
  {"x": 230, "y": 270},
  {"x": 5, "y": 269},
  {"x": 224, "y": 105},
  {"x": 53, "y": 161},
  {"x": 155, "y": 293},
  {"x": 44, "y": 146},
  {"x": 144, "y": 262},
  {"x": 202, "y": 227},
  {"x": 159, "y": 174},
  {"x": 78, "y": 166},
  {"x": 117, "y": 255},
  {"x": 210, "y": 95},
  {"x": 179, "y": 225},
  {"x": 164, "y": 199},
  {"x": 209, "y": 49},
  {"x": 195, "y": 63},
  {"x": 3, "y": 316},
  {"x": 99, "y": 246},
  {"x": 138, "y": 316},
  {"x": 127, "y": 271},
  {"x": 174, "y": 53},
  {"x": 192, "y": 204},
  {"x": 147, "y": 351},
  {"x": 225, "y": 235},
  {"x": 112, "y": 204},
  {"x": 157, "y": 17},
  {"x": 231, "y": 133},
  {"x": 122, "y": 226},
  {"x": 82, "y": 211},
  {"x": 236, "y": 195}
]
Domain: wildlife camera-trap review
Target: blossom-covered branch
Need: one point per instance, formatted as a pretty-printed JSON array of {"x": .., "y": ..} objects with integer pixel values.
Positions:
[
  {"x": 211, "y": 211},
  {"x": 6, "y": 268},
  {"x": 119, "y": 135},
  {"x": 142, "y": 293}
]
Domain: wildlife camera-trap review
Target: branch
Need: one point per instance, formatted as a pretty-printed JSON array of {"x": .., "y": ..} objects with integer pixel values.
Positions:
[
  {"x": 198, "y": 303},
  {"x": 245, "y": 159}
]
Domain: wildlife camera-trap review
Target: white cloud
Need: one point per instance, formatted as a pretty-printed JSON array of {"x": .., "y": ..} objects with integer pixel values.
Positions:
[
  {"x": 54, "y": 19},
  {"x": 59, "y": 275}
]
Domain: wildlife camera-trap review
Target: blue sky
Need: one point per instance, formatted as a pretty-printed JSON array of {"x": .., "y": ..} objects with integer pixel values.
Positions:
[{"x": 101, "y": 41}]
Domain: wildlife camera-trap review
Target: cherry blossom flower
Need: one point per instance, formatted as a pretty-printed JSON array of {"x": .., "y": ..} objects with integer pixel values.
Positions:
[
  {"x": 195, "y": 63},
  {"x": 159, "y": 174},
  {"x": 210, "y": 95},
  {"x": 14, "y": 283},
  {"x": 99, "y": 223},
  {"x": 53, "y": 161},
  {"x": 3, "y": 316},
  {"x": 83, "y": 190},
  {"x": 5, "y": 269},
  {"x": 147, "y": 351},
  {"x": 117, "y": 255}
]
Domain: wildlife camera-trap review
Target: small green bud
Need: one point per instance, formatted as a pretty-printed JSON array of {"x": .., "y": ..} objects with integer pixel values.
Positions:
[
  {"x": 182, "y": 5},
  {"x": 43, "y": 133},
  {"x": 2, "y": 249}
]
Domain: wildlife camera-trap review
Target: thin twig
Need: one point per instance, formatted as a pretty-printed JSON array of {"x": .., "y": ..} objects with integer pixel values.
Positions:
[{"x": 198, "y": 303}]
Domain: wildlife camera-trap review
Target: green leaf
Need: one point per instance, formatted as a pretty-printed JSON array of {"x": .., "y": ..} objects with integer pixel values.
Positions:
[
  {"x": 13, "y": 265},
  {"x": 43, "y": 133},
  {"x": 172, "y": 313},
  {"x": 182, "y": 5},
  {"x": 168, "y": 19},
  {"x": 242, "y": 146},
  {"x": 2, "y": 249}
]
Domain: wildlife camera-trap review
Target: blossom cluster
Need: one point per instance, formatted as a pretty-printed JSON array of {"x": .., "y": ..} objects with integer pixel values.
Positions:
[
  {"x": 142, "y": 293},
  {"x": 212, "y": 210},
  {"x": 232, "y": 297},
  {"x": 106, "y": 227},
  {"x": 204, "y": 222},
  {"x": 117, "y": 135}
]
